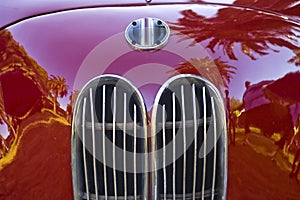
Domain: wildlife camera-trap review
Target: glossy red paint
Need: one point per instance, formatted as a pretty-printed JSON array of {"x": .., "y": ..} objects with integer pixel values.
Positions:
[{"x": 228, "y": 45}]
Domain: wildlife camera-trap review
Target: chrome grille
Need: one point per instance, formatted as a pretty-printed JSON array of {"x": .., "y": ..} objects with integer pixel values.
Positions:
[
  {"x": 187, "y": 151},
  {"x": 189, "y": 121},
  {"x": 109, "y": 130}
]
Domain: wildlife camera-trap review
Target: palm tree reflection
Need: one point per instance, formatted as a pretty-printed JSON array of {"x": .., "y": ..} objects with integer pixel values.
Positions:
[
  {"x": 287, "y": 7},
  {"x": 296, "y": 58},
  {"x": 234, "y": 31},
  {"x": 206, "y": 67},
  {"x": 57, "y": 88},
  {"x": 255, "y": 33},
  {"x": 37, "y": 137},
  {"x": 25, "y": 90}
]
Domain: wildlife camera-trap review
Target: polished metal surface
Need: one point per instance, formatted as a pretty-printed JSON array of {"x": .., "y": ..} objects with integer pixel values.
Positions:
[
  {"x": 164, "y": 151},
  {"x": 184, "y": 142},
  {"x": 147, "y": 34},
  {"x": 215, "y": 149},
  {"x": 193, "y": 161},
  {"x": 114, "y": 141},
  {"x": 103, "y": 144},
  {"x": 174, "y": 145},
  {"x": 94, "y": 143},
  {"x": 204, "y": 142},
  {"x": 110, "y": 133},
  {"x": 195, "y": 141},
  {"x": 124, "y": 146},
  {"x": 84, "y": 153},
  {"x": 134, "y": 152},
  {"x": 186, "y": 125}
]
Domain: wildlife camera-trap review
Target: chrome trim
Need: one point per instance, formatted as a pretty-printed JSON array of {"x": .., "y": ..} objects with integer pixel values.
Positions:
[
  {"x": 204, "y": 142},
  {"x": 213, "y": 124},
  {"x": 103, "y": 127},
  {"x": 224, "y": 150},
  {"x": 129, "y": 125},
  {"x": 174, "y": 146},
  {"x": 83, "y": 151},
  {"x": 101, "y": 197},
  {"x": 195, "y": 141},
  {"x": 147, "y": 34},
  {"x": 188, "y": 123},
  {"x": 94, "y": 145},
  {"x": 134, "y": 151},
  {"x": 184, "y": 141},
  {"x": 103, "y": 139},
  {"x": 164, "y": 150},
  {"x": 124, "y": 146},
  {"x": 215, "y": 149},
  {"x": 114, "y": 142},
  {"x": 142, "y": 31}
]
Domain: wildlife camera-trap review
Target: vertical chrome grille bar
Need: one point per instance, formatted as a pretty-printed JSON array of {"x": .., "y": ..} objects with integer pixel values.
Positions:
[
  {"x": 94, "y": 145},
  {"x": 184, "y": 141},
  {"x": 103, "y": 138},
  {"x": 174, "y": 146},
  {"x": 114, "y": 141},
  {"x": 195, "y": 140},
  {"x": 124, "y": 147},
  {"x": 134, "y": 152},
  {"x": 164, "y": 149},
  {"x": 215, "y": 148},
  {"x": 83, "y": 150},
  {"x": 204, "y": 142}
]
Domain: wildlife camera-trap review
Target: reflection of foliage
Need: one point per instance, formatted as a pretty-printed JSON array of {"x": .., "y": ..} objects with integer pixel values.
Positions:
[
  {"x": 57, "y": 87},
  {"x": 3, "y": 147},
  {"x": 287, "y": 7},
  {"x": 73, "y": 97},
  {"x": 235, "y": 104},
  {"x": 254, "y": 32},
  {"x": 217, "y": 71},
  {"x": 13, "y": 57},
  {"x": 71, "y": 104},
  {"x": 296, "y": 59},
  {"x": 15, "y": 61},
  {"x": 6, "y": 118}
]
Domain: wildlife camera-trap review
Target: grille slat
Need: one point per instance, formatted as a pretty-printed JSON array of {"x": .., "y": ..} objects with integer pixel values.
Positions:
[
  {"x": 114, "y": 141},
  {"x": 102, "y": 197},
  {"x": 134, "y": 151},
  {"x": 164, "y": 150},
  {"x": 93, "y": 141},
  {"x": 174, "y": 145},
  {"x": 130, "y": 125},
  {"x": 184, "y": 141},
  {"x": 204, "y": 141},
  {"x": 215, "y": 149},
  {"x": 195, "y": 141},
  {"x": 124, "y": 145},
  {"x": 83, "y": 147},
  {"x": 103, "y": 143}
]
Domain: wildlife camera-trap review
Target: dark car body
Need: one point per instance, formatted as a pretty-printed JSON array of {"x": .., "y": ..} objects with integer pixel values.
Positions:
[{"x": 248, "y": 50}]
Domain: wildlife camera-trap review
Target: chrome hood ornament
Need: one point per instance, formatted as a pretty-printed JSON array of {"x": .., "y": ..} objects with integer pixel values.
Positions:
[{"x": 147, "y": 33}]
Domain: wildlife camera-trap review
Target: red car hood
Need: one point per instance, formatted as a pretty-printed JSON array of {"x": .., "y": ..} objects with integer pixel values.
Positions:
[{"x": 50, "y": 49}]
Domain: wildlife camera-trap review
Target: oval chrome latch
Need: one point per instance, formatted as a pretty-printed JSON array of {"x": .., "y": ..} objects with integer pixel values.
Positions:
[{"x": 147, "y": 34}]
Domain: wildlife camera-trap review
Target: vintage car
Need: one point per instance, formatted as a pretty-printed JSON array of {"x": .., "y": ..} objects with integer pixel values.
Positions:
[{"x": 141, "y": 99}]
